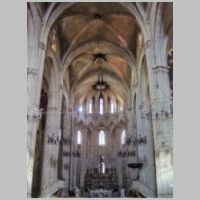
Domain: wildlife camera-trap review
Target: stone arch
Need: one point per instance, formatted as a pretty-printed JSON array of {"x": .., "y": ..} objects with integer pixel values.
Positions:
[
  {"x": 40, "y": 56},
  {"x": 161, "y": 39},
  {"x": 51, "y": 54},
  {"x": 53, "y": 14},
  {"x": 105, "y": 72},
  {"x": 73, "y": 45},
  {"x": 70, "y": 56},
  {"x": 51, "y": 17}
]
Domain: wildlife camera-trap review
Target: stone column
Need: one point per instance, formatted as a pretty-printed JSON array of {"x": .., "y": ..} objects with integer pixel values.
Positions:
[
  {"x": 72, "y": 148},
  {"x": 33, "y": 70},
  {"x": 146, "y": 150},
  {"x": 51, "y": 150},
  {"x": 34, "y": 116},
  {"x": 66, "y": 146},
  {"x": 69, "y": 147},
  {"x": 162, "y": 122},
  {"x": 120, "y": 159},
  {"x": 129, "y": 159},
  {"x": 83, "y": 157}
]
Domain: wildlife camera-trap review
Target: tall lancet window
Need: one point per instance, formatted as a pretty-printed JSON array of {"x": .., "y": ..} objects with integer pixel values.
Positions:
[
  {"x": 79, "y": 137},
  {"x": 101, "y": 106},
  {"x": 101, "y": 138},
  {"x": 103, "y": 167},
  {"x": 123, "y": 137},
  {"x": 111, "y": 107},
  {"x": 90, "y": 106}
]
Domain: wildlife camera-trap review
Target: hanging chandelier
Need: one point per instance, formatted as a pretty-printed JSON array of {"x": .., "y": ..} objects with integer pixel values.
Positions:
[{"x": 100, "y": 85}]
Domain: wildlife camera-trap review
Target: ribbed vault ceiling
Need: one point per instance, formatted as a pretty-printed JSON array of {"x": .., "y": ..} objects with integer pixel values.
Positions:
[{"x": 86, "y": 23}]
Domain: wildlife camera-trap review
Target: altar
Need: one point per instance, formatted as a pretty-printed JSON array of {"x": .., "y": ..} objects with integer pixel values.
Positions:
[
  {"x": 102, "y": 181},
  {"x": 95, "y": 180},
  {"x": 100, "y": 193}
]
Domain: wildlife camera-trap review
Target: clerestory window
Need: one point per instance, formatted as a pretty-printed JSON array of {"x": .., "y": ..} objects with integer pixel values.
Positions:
[{"x": 101, "y": 106}]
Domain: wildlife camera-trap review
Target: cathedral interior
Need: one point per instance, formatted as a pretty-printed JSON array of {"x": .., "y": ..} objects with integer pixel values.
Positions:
[{"x": 100, "y": 99}]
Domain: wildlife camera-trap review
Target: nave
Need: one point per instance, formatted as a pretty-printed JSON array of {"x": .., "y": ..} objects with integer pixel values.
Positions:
[{"x": 100, "y": 99}]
